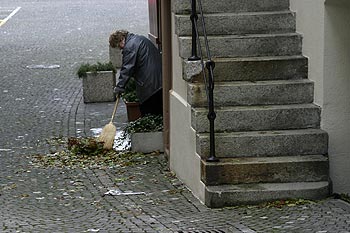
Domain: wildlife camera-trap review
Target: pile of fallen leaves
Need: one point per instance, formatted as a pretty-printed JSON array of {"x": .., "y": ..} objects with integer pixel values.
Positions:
[{"x": 86, "y": 153}]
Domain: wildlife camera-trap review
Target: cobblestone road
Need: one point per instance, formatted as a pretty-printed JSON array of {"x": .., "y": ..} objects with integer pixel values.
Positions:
[{"x": 38, "y": 104}]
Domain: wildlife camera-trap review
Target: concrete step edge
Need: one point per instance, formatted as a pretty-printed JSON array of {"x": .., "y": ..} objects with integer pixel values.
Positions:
[
  {"x": 257, "y": 93},
  {"x": 264, "y": 143},
  {"x": 270, "y": 133},
  {"x": 267, "y": 160},
  {"x": 266, "y": 187},
  {"x": 250, "y": 68},
  {"x": 256, "y": 45},
  {"x": 258, "y": 107},
  {"x": 240, "y": 13},
  {"x": 246, "y": 36},
  {"x": 232, "y": 195},
  {"x": 257, "y": 59},
  {"x": 238, "y": 24},
  {"x": 301, "y": 168},
  {"x": 232, "y": 5},
  {"x": 274, "y": 82}
]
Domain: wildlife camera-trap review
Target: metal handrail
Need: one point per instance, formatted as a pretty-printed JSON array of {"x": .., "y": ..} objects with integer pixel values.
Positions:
[{"x": 210, "y": 64}]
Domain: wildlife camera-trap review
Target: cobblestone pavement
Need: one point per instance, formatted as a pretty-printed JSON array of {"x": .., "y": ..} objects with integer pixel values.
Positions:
[{"x": 38, "y": 104}]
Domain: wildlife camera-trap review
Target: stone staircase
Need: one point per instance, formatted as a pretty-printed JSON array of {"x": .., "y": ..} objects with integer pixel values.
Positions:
[{"x": 268, "y": 135}]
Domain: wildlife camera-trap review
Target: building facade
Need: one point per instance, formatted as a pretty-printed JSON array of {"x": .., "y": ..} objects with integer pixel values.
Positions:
[{"x": 325, "y": 35}]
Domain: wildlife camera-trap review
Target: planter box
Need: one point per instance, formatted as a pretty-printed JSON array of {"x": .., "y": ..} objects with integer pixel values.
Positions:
[
  {"x": 115, "y": 56},
  {"x": 133, "y": 110},
  {"x": 147, "y": 142},
  {"x": 98, "y": 87}
]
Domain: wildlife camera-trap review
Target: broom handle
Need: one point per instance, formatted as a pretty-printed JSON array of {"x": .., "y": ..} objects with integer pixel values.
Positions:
[{"x": 115, "y": 107}]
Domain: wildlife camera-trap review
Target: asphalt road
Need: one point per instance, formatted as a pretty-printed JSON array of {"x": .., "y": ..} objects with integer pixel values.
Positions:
[{"x": 53, "y": 32}]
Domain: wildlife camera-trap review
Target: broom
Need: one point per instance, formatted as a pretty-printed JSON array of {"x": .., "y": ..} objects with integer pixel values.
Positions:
[{"x": 109, "y": 131}]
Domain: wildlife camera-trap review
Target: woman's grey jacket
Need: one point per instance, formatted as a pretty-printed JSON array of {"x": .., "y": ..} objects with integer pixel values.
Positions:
[{"x": 142, "y": 61}]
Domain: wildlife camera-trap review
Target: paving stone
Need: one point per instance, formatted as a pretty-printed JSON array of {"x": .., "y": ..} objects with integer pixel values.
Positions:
[{"x": 36, "y": 105}]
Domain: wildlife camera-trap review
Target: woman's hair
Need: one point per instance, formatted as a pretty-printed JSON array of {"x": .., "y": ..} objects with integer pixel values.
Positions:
[{"x": 116, "y": 37}]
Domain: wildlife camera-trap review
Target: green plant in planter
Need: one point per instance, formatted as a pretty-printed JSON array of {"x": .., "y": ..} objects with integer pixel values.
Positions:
[
  {"x": 148, "y": 123},
  {"x": 129, "y": 94},
  {"x": 94, "y": 68}
]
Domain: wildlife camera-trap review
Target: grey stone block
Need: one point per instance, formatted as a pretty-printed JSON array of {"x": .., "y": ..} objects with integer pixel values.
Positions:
[
  {"x": 115, "y": 56},
  {"x": 266, "y": 169},
  {"x": 252, "y": 69},
  {"x": 254, "y": 118},
  {"x": 210, "y": 6},
  {"x": 265, "y": 143},
  {"x": 147, "y": 142},
  {"x": 242, "y": 23},
  {"x": 192, "y": 70},
  {"x": 98, "y": 87},
  {"x": 286, "y": 44},
  {"x": 261, "y": 68},
  {"x": 230, "y": 195},
  {"x": 253, "y": 93}
]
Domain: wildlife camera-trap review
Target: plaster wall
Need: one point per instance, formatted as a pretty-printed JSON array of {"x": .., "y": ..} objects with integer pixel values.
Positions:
[
  {"x": 326, "y": 33},
  {"x": 183, "y": 158},
  {"x": 179, "y": 85},
  {"x": 310, "y": 23},
  {"x": 336, "y": 107}
]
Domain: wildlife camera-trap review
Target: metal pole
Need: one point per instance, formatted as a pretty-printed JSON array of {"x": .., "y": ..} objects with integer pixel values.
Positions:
[
  {"x": 194, "y": 18},
  {"x": 211, "y": 115}
]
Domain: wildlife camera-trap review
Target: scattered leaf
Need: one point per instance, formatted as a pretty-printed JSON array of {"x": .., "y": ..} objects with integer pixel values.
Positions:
[{"x": 87, "y": 153}]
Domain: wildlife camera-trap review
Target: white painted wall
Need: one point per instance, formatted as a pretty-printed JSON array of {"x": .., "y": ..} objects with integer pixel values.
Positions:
[
  {"x": 310, "y": 23},
  {"x": 326, "y": 31},
  {"x": 336, "y": 106},
  {"x": 183, "y": 158}
]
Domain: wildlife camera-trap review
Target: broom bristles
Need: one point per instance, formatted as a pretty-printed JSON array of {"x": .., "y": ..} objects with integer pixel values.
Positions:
[{"x": 107, "y": 136}]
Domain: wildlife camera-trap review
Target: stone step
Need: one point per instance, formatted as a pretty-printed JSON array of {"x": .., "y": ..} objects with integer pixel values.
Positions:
[
  {"x": 251, "y": 69},
  {"x": 253, "y": 93},
  {"x": 210, "y": 6},
  {"x": 257, "y": 118},
  {"x": 243, "y": 194},
  {"x": 259, "y": 45},
  {"x": 241, "y": 23},
  {"x": 265, "y": 143},
  {"x": 255, "y": 68},
  {"x": 266, "y": 169}
]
